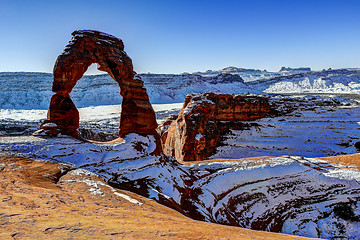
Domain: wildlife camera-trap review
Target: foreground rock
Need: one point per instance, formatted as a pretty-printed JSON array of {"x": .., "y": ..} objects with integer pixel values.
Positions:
[
  {"x": 87, "y": 47},
  {"x": 294, "y": 195},
  {"x": 43, "y": 200},
  {"x": 195, "y": 133}
]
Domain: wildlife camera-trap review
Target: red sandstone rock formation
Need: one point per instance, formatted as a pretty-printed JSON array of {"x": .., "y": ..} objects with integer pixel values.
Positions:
[
  {"x": 64, "y": 114},
  {"x": 196, "y": 132},
  {"x": 87, "y": 47}
]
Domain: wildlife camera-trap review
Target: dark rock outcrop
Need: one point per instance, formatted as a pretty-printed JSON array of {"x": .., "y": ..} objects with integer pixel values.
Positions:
[
  {"x": 357, "y": 146},
  {"x": 85, "y": 48},
  {"x": 197, "y": 130}
]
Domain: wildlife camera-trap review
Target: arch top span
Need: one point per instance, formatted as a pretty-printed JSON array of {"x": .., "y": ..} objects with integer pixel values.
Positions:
[{"x": 85, "y": 48}]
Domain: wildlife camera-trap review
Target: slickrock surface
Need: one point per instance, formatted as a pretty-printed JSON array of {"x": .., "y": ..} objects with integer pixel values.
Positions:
[
  {"x": 87, "y": 47},
  {"x": 294, "y": 195},
  {"x": 352, "y": 160},
  {"x": 195, "y": 133},
  {"x": 43, "y": 200}
]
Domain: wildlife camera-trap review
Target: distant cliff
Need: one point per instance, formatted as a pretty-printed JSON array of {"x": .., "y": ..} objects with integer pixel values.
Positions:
[{"x": 22, "y": 90}]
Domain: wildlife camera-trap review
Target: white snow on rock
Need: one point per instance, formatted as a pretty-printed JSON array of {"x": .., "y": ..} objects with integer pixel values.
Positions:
[
  {"x": 296, "y": 195},
  {"x": 82, "y": 172},
  {"x": 95, "y": 186},
  {"x": 335, "y": 81}
]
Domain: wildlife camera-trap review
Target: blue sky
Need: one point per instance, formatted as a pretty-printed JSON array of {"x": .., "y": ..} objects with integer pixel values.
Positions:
[{"x": 187, "y": 36}]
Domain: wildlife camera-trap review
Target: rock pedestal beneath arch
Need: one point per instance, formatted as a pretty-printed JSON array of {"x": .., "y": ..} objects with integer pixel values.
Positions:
[
  {"x": 63, "y": 112},
  {"x": 85, "y": 48}
]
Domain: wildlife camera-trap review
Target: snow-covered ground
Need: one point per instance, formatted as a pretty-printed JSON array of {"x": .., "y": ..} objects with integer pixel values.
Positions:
[
  {"x": 315, "y": 132},
  {"x": 97, "y": 118},
  {"x": 311, "y": 131},
  {"x": 313, "y": 84},
  {"x": 93, "y": 113}
]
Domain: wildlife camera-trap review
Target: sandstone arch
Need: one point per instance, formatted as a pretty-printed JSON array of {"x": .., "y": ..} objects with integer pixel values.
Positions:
[{"x": 85, "y": 48}]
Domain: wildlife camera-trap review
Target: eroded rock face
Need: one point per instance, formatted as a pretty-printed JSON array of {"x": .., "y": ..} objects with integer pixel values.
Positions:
[
  {"x": 197, "y": 130},
  {"x": 88, "y": 47}
]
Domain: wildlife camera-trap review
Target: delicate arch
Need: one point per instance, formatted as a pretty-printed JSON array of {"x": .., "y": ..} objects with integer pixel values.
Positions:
[{"x": 85, "y": 48}]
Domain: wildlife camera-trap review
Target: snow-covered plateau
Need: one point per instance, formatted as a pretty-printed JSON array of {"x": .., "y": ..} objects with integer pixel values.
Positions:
[{"x": 33, "y": 90}]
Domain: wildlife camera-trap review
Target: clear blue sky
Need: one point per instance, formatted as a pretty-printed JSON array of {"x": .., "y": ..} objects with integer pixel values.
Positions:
[{"x": 186, "y": 36}]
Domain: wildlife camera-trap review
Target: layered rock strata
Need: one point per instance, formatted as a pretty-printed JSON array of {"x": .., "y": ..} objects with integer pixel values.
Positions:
[
  {"x": 85, "y": 48},
  {"x": 195, "y": 133}
]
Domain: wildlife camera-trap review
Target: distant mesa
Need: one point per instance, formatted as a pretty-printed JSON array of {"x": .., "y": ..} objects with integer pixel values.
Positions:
[
  {"x": 224, "y": 78},
  {"x": 230, "y": 70},
  {"x": 302, "y": 69},
  {"x": 85, "y": 48},
  {"x": 236, "y": 69}
]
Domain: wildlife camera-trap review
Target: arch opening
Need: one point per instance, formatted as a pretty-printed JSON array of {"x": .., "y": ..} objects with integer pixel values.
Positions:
[
  {"x": 93, "y": 70},
  {"x": 100, "y": 108}
]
